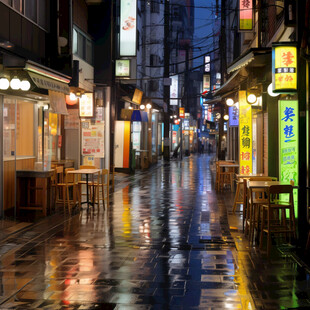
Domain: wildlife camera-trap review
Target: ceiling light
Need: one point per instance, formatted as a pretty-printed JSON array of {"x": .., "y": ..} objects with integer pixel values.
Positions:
[
  {"x": 15, "y": 83},
  {"x": 4, "y": 83},
  {"x": 25, "y": 85}
]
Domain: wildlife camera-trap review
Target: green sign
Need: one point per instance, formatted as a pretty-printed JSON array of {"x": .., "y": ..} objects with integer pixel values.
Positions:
[{"x": 288, "y": 138}]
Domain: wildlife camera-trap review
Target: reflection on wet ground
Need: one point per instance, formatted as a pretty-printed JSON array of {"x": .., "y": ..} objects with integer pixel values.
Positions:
[{"x": 164, "y": 243}]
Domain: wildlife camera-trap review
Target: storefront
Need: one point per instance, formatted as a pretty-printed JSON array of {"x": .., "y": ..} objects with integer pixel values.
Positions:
[{"x": 32, "y": 100}]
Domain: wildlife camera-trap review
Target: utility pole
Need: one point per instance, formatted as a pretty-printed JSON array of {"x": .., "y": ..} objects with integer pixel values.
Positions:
[{"x": 166, "y": 78}]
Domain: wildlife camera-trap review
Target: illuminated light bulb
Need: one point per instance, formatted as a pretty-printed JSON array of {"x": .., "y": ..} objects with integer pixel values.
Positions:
[
  {"x": 15, "y": 83},
  {"x": 230, "y": 102},
  {"x": 270, "y": 91},
  {"x": 226, "y": 117},
  {"x": 4, "y": 83},
  {"x": 72, "y": 96},
  {"x": 130, "y": 108},
  {"x": 148, "y": 106},
  {"x": 251, "y": 98},
  {"x": 25, "y": 85},
  {"x": 142, "y": 106}
]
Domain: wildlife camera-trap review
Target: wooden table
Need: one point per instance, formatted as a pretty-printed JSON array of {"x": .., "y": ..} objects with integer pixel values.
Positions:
[
  {"x": 223, "y": 165},
  {"x": 34, "y": 190},
  {"x": 86, "y": 172}
]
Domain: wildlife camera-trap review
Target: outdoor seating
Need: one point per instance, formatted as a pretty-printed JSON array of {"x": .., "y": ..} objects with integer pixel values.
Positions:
[
  {"x": 274, "y": 215},
  {"x": 224, "y": 176},
  {"x": 255, "y": 198},
  {"x": 102, "y": 186},
  {"x": 82, "y": 182},
  {"x": 67, "y": 187}
]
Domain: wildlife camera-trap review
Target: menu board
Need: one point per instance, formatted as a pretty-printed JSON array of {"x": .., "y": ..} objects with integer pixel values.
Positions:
[
  {"x": 72, "y": 120},
  {"x": 93, "y": 139}
]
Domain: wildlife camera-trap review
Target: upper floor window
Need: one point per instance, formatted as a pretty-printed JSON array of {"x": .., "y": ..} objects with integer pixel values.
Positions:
[
  {"x": 82, "y": 45},
  {"x": 36, "y": 10}
]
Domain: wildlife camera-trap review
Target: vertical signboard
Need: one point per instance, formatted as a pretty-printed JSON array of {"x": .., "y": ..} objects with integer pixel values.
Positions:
[
  {"x": 128, "y": 28},
  {"x": 207, "y": 64},
  {"x": 284, "y": 68},
  {"x": 245, "y": 134},
  {"x": 245, "y": 15},
  {"x": 206, "y": 83},
  {"x": 233, "y": 113},
  {"x": 182, "y": 112},
  {"x": 288, "y": 143},
  {"x": 174, "y": 90}
]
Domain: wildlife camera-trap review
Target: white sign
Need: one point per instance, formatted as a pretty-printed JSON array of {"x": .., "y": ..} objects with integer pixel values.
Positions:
[
  {"x": 122, "y": 67},
  {"x": 86, "y": 105},
  {"x": 174, "y": 90},
  {"x": 128, "y": 28}
]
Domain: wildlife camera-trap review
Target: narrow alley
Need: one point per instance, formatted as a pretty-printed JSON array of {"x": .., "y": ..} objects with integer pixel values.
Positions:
[{"x": 167, "y": 241}]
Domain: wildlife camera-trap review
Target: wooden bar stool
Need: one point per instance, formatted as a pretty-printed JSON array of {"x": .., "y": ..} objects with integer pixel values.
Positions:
[
  {"x": 239, "y": 199},
  {"x": 274, "y": 219},
  {"x": 102, "y": 186},
  {"x": 83, "y": 182}
]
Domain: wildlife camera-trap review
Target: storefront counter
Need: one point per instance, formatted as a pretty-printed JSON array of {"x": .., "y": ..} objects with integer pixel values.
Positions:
[{"x": 34, "y": 190}]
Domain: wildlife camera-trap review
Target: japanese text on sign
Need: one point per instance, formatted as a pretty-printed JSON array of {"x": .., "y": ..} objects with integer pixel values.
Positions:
[{"x": 245, "y": 134}]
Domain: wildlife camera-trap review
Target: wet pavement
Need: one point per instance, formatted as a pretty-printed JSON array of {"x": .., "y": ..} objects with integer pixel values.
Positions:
[{"x": 167, "y": 241}]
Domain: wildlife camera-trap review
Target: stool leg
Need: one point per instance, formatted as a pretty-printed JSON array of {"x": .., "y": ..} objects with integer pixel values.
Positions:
[{"x": 236, "y": 197}]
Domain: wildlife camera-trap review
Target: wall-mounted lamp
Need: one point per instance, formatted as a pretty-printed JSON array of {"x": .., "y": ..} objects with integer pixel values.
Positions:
[
  {"x": 142, "y": 106},
  {"x": 226, "y": 117},
  {"x": 148, "y": 106},
  {"x": 72, "y": 97},
  {"x": 251, "y": 98},
  {"x": 230, "y": 102},
  {"x": 270, "y": 91}
]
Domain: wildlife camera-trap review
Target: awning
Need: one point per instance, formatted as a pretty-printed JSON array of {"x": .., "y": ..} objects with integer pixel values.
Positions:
[
  {"x": 257, "y": 57},
  {"x": 46, "y": 78},
  {"x": 232, "y": 84}
]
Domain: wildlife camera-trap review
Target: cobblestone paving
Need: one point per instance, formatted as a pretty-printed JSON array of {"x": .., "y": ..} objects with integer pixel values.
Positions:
[{"x": 164, "y": 243}]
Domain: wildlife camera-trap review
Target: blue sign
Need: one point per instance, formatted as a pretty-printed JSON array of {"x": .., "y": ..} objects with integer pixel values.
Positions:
[{"x": 233, "y": 113}]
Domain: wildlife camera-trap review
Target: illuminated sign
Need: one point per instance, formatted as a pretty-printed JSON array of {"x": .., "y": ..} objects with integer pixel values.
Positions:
[
  {"x": 233, "y": 113},
  {"x": 245, "y": 15},
  {"x": 245, "y": 134},
  {"x": 86, "y": 106},
  {"x": 182, "y": 112},
  {"x": 284, "y": 68},
  {"x": 137, "y": 96},
  {"x": 128, "y": 28},
  {"x": 174, "y": 90},
  {"x": 122, "y": 67},
  {"x": 207, "y": 64},
  {"x": 206, "y": 82},
  {"x": 288, "y": 146}
]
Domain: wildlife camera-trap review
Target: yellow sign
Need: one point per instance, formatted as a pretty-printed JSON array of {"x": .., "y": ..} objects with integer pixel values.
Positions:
[
  {"x": 284, "y": 68},
  {"x": 245, "y": 134},
  {"x": 182, "y": 112},
  {"x": 137, "y": 96}
]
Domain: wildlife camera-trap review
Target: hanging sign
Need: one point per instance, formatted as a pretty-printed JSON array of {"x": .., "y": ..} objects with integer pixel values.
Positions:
[
  {"x": 207, "y": 64},
  {"x": 245, "y": 15},
  {"x": 86, "y": 107},
  {"x": 122, "y": 67},
  {"x": 137, "y": 96},
  {"x": 233, "y": 115},
  {"x": 288, "y": 146},
  {"x": 182, "y": 112},
  {"x": 206, "y": 83},
  {"x": 245, "y": 134},
  {"x": 174, "y": 90},
  {"x": 284, "y": 68},
  {"x": 128, "y": 28}
]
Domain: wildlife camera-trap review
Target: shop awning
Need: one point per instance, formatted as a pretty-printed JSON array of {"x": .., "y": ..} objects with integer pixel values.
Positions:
[
  {"x": 255, "y": 57},
  {"x": 231, "y": 85},
  {"x": 54, "y": 82},
  {"x": 46, "y": 78}
]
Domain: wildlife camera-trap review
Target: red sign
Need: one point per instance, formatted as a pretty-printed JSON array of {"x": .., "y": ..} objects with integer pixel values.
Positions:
[{"x": 182, "y": 112}]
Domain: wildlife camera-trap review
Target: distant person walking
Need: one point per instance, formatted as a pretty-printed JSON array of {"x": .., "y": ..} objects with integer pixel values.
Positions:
[{"x": 209, "y": 148}]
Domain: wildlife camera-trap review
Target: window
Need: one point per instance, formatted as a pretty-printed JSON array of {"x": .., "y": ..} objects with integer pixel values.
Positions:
[
  {"x": 82, "y": 46},
  {"x": 154, "y": 7},
  {"x": 154, "y": 60},
  {"x": 31, "y": 9},
  {"x": 35, "y": 10}
]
